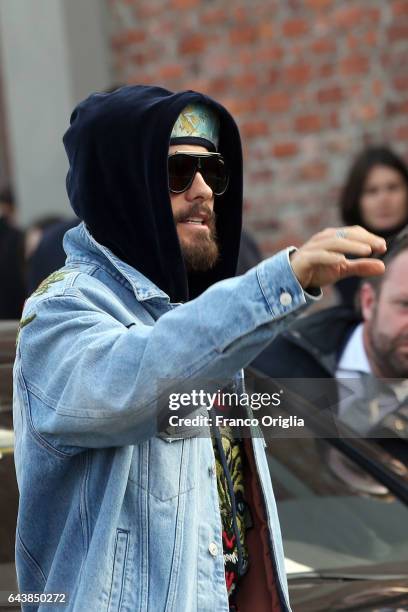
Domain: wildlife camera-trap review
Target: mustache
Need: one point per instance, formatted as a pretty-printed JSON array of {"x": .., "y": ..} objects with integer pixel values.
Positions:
[{"x": 196, "y": 210}]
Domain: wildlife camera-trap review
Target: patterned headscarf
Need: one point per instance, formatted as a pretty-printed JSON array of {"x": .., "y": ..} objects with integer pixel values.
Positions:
[{"x": 197, "y": 124}]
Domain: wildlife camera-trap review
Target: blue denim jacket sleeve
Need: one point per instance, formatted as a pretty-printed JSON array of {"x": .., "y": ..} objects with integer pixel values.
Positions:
[{"x": 95, "y": 380}]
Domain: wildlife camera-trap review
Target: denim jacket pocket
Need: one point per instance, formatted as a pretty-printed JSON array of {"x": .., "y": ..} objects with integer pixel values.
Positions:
[
  {"x": 165, "y": 468},
  {"x": 118, "y": 570}
]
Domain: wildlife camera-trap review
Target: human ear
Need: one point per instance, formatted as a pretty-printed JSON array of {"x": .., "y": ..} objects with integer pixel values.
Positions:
[{"x": 368, "y": 300}]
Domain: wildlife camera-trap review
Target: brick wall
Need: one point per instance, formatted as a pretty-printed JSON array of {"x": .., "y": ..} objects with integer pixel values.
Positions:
[{"x": 309, "y": 82}]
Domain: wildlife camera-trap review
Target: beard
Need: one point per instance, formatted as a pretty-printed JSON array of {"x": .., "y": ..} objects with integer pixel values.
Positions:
[
  {"x": 201, "y": 254},
  {"x": 389, "y": 361}
]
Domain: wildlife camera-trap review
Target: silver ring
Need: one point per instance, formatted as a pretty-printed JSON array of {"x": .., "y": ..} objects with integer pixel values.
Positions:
[{"x": 341, "y": 233}]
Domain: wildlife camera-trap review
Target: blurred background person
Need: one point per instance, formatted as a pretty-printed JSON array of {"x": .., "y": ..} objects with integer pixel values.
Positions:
[
  {"x": 12, "y": 280},
  {"x": 7, "y": 207},
  {"x": 48, "y": 254},
  {"x": 37, "y": 267},
  {"x": 375, "y": 196},
  {"x": 35, "y": 231}
]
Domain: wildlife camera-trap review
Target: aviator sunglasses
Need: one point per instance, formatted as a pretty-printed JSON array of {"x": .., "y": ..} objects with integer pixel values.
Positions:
[{"x": 183, "y": 166}]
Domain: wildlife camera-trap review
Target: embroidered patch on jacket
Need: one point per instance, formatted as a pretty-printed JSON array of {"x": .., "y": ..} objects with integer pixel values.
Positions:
[
  {"x": 54, "y": 277},
  {"x": 23, "y": 323}
]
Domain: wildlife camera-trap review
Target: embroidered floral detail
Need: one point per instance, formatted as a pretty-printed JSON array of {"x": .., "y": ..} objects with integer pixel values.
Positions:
[
  {"x": 55, "y": 277},
  {"x": 234, "y": 458},
  {"x": 23, "y": 323}
]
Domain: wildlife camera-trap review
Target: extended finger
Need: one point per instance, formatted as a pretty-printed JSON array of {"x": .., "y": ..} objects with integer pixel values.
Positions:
[
  {"x": 360, "y": 234},
  {"x": 355, "y": 233},
  {"x": 342, "y": 245},
  {"x": 364, "y": 267},
  {"x": 321, "y": 256}
]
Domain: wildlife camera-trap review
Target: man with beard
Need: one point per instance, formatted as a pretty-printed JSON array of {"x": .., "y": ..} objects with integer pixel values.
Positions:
[
  {"x": 384, "y": 307},
  {"x": 365, "y": 349},
  {"x": 116, "y": 510}
]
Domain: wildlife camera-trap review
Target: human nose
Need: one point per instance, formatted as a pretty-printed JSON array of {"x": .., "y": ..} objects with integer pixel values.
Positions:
[{"x": 199, "y": 189}]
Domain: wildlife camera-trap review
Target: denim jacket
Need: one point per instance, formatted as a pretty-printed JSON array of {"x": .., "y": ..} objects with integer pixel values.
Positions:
[{"x": 111, "y": 514}]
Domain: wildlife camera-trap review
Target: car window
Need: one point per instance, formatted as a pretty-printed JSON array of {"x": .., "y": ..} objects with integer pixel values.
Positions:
[{"x": 333, "y": 514}]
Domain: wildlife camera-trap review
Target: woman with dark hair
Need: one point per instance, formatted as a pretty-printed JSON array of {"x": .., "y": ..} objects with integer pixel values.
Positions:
[{"x": 375, "y": 196}]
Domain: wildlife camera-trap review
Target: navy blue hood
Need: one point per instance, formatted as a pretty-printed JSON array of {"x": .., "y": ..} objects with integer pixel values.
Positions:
[{"x": 117, "y": 146}]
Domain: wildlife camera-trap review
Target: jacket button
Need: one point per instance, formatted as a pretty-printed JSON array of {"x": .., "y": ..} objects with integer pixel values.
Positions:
[
  {"x": 213, "y": 548},
  {"x": 211, "y": 470},
  {"x": 285, "y": 298}
]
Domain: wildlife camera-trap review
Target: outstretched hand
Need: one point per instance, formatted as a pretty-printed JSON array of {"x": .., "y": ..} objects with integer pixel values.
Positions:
[{"x": 322, "y": 259}]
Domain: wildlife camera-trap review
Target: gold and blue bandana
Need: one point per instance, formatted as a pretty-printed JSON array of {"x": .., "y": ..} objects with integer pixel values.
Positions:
[{"x": 197, "y": 124}]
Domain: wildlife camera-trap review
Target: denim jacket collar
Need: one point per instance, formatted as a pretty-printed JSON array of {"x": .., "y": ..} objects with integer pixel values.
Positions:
[{"x": 80, "y": 245}]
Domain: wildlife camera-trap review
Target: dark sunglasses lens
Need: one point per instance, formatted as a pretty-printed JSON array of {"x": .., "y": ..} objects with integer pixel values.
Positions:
[
  {"x": 181, "y": 172},
  {"x": 182, "y": 169},
  {"x": 215, "y": 174}
]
